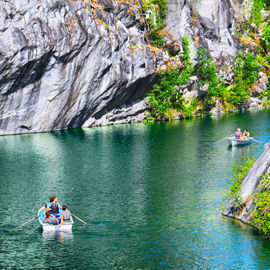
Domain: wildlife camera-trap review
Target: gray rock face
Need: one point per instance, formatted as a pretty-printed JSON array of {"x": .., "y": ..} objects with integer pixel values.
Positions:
[
  {"x": 255, "y": 102},
  {"x": 125, "y": 114},
  {"x": 260, "y": 167},
  {"x": 249, "y": 185},
  {"x": 65, "y": 62},
  {"x": 207, "y": 22}
]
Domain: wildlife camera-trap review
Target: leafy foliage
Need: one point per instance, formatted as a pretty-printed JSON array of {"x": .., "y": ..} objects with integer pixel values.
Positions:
[
  {"x": 261, "y": 214},
  {"x": 255, "y": 14},
  {"x": 166, "y": 97},
  {"x": 245, "y": 70},
  {"x": 265, "y": 38},
  {"x": 208, "y": 75},
  {"x": 156, "y": 21},
  {"x": 239, "y": 172}
]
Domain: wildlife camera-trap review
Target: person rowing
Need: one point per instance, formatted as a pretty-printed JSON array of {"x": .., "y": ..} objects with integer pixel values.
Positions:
[
  {"x": 51, "y": 219},
  {"x": 48, "y": 205}
]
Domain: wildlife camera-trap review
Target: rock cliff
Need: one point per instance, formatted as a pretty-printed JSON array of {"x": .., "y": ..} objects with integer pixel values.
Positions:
[
  {"x": 250, "y": 185},
  {"x": 65, "y": 64},
  {"x": 74, "y": 63}
]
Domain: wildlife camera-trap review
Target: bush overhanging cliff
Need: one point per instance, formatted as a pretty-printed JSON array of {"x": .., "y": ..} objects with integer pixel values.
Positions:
[{"x": 234, "y": 91}]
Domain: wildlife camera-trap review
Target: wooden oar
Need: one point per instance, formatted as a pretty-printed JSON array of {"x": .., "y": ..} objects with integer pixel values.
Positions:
[
  {"x": 84, "y": 222},
  {"x": 219, "y": 141},
  {"x": 27, "y": 222},
  {"x": 17, "y": 227},
  {"x": 256, "y": 140},
  {"x": 7, "y": 228}
]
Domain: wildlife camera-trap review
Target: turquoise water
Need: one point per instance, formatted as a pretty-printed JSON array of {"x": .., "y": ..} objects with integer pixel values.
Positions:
[{"x": 152, "y": 193}]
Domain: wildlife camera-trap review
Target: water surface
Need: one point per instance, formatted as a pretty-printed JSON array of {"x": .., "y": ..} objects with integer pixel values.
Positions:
[{"x": 152, "y": 194}]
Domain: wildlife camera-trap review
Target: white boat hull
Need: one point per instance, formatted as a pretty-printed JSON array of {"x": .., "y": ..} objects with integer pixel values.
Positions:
[
  {"x": 65, "y": 227},
  {"x": 56, "y": 228},
  {"x": 233, "y": 141}
]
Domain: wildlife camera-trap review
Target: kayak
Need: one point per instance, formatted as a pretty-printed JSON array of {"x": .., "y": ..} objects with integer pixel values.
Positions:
[
  {"x": 65, "y": 226},
  {"x": 233, "y": 141}
]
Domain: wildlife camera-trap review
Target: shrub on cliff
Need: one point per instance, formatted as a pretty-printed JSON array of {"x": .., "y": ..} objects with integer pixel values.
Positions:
[
  {"x": 208, "y": 75},
  {"x": 239, "y": 173},
  {"x": 245, "y": 69},
  {"x": 265, "y": 38},
  {"x": 155, "y": 11},
  {"x": 166, "y": 100},
  {"x": 261, "y": 214}
]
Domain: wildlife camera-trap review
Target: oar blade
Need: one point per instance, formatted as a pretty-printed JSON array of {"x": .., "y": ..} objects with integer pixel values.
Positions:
[
  {"x": 80, "y": 219},
  {"x": 7, "y": 228}
]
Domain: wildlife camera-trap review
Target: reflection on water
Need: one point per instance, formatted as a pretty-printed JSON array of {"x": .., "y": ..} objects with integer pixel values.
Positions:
[
  {"x": 61, "y": 236},
  {"x": 151, "y": 193},
  {"x": 240, "y": 152}
]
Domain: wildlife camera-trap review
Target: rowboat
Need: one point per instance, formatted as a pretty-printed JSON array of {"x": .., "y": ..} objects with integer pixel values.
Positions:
[
  {"x": 65, "y": 226},
  {"x": 233, "y": 141}
]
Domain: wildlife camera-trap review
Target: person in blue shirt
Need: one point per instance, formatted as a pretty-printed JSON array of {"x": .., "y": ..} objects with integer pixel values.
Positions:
[{"x": 51, "y": 219}]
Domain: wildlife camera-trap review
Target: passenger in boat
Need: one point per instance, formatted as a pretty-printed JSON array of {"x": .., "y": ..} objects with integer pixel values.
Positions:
[
  {"x": 246, "y": 134},
  {"x": 51, "y": 219},
  {"x": 47, "y": 205},
  {"x": 65, "y": 213},
  {"x": 53, "y": 207},
  {"x": 238, "y": 134}
]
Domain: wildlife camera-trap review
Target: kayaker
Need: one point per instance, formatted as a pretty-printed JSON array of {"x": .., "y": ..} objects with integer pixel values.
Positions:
[
  {"x": 65, "y": 213},
  {"x": 51, "y": 219},
  {"x": 238, "y": 134}
]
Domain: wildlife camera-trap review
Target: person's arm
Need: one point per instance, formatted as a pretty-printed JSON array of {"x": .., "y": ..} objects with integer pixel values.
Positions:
[{"x": 61, "y": 219}]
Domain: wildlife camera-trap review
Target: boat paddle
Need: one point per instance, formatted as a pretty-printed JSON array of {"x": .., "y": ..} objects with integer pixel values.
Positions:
[
  {"x": 17, "y": 227},
  {"x": 219, "y": 141},
  {"x": 256, "y": 140},
  {"x": 27, "y": 222},
  {"x": 80, "y": 220}
]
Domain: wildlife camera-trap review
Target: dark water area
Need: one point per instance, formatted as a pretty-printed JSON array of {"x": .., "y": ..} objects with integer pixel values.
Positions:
[{"x": 152, "y": 193}]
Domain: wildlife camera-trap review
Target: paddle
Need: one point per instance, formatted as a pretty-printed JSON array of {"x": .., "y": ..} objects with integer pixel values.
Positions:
[
  {"x": 80, "y": 220},
  {"x": 256, "y": 140},
  {"x": 7, "y": 228},
  {"x": 17, "y": 227},
  {"x": 219, "y": 141},
  {"x": 27, "y": 222}
]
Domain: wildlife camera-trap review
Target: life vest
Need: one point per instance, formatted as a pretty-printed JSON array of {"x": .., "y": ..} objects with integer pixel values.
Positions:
[{"x": 55, "y": 208}]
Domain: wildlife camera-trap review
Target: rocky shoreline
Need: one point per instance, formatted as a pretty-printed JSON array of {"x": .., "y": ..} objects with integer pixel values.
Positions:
[{"x": 249, "y": 186}]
